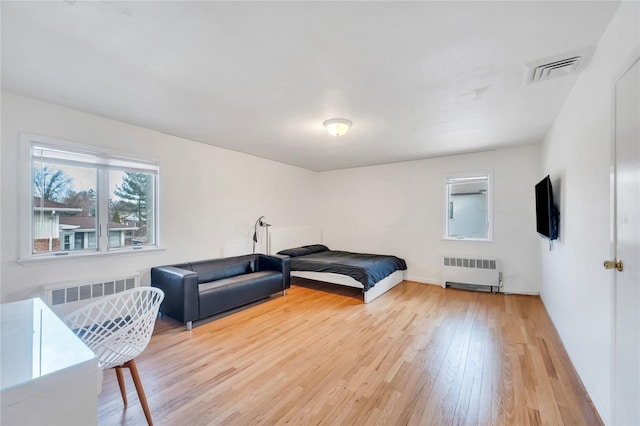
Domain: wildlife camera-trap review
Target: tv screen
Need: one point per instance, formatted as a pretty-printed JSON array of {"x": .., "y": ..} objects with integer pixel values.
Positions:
[{"x": 546, "y": 213}]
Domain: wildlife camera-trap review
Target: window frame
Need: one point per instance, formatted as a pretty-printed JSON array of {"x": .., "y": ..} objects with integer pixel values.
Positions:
[
  {"x": 152, "y": 165},
  {"x": 451, "y": 178}
]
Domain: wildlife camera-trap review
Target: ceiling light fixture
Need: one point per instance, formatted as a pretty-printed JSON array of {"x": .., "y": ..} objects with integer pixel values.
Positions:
[{"x": 337, "y": 126}]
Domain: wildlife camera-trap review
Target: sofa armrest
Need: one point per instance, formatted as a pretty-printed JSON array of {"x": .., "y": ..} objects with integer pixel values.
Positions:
[
  {"x": 276, "y": 262},
  {"x": 180, "y": 287}
]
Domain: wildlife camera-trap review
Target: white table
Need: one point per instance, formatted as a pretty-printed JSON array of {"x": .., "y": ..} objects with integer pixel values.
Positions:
[{"x": 47, "y": 376}]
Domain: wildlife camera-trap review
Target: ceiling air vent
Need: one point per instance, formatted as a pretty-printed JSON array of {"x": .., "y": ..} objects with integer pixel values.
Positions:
[{"x": 558, "y": 66}]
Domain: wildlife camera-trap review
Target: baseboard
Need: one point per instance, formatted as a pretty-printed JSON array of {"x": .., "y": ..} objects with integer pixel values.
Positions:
[
  {"x": 422, "y": 280},
  {"x": 522, "y": 293},
  {"x": 438, "y": 282}
]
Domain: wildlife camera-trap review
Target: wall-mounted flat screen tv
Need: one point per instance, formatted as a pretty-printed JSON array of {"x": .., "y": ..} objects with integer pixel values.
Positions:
[{"x": 546, "y": 213}]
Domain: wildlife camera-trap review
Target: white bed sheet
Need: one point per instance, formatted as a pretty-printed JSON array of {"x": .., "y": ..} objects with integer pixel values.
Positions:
[{"x": 379, "y": 289}]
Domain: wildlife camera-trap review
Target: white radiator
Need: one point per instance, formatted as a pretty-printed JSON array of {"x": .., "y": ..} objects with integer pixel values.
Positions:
[
  {"x": 480, "y": 272},
  {"x": 64, "y": 298}
]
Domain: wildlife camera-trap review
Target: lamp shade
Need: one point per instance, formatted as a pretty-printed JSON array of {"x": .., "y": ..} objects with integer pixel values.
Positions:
[{"x": 337, "y": 126}]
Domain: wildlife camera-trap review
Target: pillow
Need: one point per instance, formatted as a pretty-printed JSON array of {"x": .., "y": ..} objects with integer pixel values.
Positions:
[
  {"x": 316, "y": 248},
  {"x": 295, "y": 252},
  {"x": 217, "y": 269},
  {"x": 235, "y": 269}
]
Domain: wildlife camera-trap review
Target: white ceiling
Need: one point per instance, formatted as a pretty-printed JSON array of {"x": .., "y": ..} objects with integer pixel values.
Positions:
[{"x": 418, "y": 79}]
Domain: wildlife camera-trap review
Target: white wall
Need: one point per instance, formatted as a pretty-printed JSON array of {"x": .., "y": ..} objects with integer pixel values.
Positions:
[
  {"x": 208, "y": 195},
  {"x": 216, "y": 195},
  {"x": 576, "y": 290},
  {"x": 399, "y": 209}
]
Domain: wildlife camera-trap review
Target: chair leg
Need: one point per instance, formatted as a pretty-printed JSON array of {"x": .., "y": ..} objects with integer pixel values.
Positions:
[
  {"x": 131, "y": 365},
  {"x": 123, "y": 389}
]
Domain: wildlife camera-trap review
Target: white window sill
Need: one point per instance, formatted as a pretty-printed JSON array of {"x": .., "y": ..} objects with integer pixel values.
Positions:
[
  {"x": 76, "y": 257},
  {"x": 477, "y": 240}
]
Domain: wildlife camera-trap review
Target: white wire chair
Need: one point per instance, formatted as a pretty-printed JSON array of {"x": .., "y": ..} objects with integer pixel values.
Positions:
[{"x": 117, "y": 328}]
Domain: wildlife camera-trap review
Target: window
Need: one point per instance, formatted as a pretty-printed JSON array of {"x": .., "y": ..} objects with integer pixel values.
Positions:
[
  {"x": 468, "y": 207},
  {"x": 86, "y": 202}
]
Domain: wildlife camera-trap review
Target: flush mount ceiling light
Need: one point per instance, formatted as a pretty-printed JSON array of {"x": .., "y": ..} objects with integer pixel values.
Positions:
[{"x": 337, "y": 126}]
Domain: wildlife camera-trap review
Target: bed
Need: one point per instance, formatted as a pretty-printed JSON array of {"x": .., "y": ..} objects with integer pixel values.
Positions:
[{"x": 374, "y": 274}]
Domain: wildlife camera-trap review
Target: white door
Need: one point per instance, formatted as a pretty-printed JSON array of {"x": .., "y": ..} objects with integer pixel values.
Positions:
[{"x": 626, "y": 246}]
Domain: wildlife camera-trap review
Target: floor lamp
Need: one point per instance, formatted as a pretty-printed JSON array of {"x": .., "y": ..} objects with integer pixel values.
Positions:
[{"x": 262, "y": 223}]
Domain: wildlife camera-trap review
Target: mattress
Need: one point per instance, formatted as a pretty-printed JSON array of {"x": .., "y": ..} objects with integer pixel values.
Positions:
[{"x": 365, "y": 268}]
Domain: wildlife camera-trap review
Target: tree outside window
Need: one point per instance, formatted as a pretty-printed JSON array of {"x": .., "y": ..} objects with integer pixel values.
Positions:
[
  {"x": 69, "y": 185},
  {"x": 128, "y": 204}
]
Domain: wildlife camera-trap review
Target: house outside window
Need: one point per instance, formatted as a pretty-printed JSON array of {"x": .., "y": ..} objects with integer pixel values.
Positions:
[
  {"x": 469, "y": 207},
  {"x": 87, "y": 202}
]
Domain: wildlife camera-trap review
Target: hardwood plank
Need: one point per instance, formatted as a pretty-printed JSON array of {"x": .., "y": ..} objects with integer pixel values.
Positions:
[{"x": 419, "y": 354}]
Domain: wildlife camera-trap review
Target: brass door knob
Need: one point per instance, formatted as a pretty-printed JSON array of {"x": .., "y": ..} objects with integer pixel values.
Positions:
[{"x": 610, "y": 264}]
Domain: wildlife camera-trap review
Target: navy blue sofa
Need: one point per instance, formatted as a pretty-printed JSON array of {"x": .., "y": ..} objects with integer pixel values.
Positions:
[{"x": 200, "y": 289}]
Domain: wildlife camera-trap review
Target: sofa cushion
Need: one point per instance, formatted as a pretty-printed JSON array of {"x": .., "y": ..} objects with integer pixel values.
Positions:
[
  {"x": 229, "y": 293},
  {"x": 211, "y": 270},
  {"x": 253, "y": 276}
]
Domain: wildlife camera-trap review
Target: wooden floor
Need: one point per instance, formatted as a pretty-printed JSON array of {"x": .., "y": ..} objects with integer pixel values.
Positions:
[{"x": 419, "y": 354}]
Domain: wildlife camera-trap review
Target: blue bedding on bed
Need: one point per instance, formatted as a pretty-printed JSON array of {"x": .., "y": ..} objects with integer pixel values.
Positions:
[{"x": 367, "y": 269}]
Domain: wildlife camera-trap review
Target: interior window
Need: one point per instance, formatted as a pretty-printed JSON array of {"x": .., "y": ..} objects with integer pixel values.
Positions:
[{"x": 468, "y": 207}]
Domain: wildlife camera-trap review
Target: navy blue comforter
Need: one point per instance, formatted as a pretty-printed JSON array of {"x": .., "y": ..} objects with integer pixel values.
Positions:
[{"x": 367, "y": 269}]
